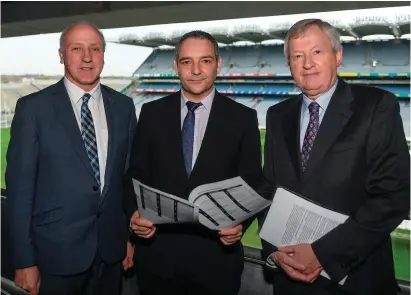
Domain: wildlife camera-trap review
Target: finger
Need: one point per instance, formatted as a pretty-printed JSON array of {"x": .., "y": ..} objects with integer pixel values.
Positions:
[
  {"x": 314, "y": 275},
  {"x": 225, "y": 242},
  {"x": 294, "y": 274},
  {"x": 232, "y": 238},
  {"x": 144, "y": 230},
  {"x": 231, "y": 231},
  {"x": 285, "y": 258},
  {"x": 124, "y": 264},
  {"x": 33, "y": 290},
  {"x": 287, "y": 249},
  {"x": 143, "y": 222},
  {"x": 147, "y": 236},
  {"x": 38, "y": 285},
  {"x": 135, "y": 215}
]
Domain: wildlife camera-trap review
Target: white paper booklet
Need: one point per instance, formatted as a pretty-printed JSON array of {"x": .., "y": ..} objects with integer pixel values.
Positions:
[{"x": 218, "y": 205}]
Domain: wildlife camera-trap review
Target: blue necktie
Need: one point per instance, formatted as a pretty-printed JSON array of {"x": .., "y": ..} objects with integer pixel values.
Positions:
[
  {"x": 311, "y": 133},
  {"x": 89, "y": 136},
  {"x": 188, "y": 135}
]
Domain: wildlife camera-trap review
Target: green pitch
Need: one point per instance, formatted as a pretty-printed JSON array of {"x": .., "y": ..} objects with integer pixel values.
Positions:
[{"x": 400, "y": 238}]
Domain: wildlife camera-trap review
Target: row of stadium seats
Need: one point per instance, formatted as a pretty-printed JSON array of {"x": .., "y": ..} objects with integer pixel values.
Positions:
[
  {"x": 261, "y": 105},
  {"x": 399, "y": 90},
  {"x": 384, "y": 56}
]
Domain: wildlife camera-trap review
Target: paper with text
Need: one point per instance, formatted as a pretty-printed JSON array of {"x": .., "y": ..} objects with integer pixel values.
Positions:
[{"x": 293, "y": 220}]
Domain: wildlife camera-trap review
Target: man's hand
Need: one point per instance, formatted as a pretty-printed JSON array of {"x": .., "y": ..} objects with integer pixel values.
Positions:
[
  {"x": 28, "y": 279},
  {"x": 303, "y": 254},
  {"x": 294, "y": 269},
  {"x": 229, "y": 236},
  {"x": 128, "y": 261},
  {"x": 142, "y": 227}
]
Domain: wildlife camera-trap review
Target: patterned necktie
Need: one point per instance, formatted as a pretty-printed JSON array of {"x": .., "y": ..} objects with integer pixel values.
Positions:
[
  {"x": 188, "y": 135},
  {"x": 89, "y": 136},
  {"x": 310, "y": 134}
]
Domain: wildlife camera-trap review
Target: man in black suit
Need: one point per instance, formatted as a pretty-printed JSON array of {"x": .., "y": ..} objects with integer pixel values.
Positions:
[
  {"x": 66, "y": 163},
  {"x": 192, "y": 137},
  {"x": 341, "y": 146}
]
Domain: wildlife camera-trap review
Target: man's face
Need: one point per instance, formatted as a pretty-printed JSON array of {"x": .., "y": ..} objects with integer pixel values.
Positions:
[
  {"x": 313, "y": 62},
  {"x": 83, "y": 56},
  {"x": 197, "y": 68}
]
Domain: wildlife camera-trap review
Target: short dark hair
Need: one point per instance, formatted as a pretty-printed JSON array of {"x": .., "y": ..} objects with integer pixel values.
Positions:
[{"x": 197, "y": 35}]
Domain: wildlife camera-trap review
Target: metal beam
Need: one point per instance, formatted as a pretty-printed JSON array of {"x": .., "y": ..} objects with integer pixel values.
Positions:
[{"x": 29, "y": 17}]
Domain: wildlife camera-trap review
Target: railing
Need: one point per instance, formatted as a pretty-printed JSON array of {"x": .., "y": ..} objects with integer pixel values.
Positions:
[{"x": 251, "y": 256}]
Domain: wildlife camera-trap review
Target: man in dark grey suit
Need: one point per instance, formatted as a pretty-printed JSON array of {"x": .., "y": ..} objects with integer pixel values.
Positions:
[
  {"x": 343, "y": 147},
  {"x": 67, "y": 157}
]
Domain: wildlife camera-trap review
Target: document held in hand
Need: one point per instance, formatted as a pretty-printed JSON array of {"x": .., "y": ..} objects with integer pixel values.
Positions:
[
  {"x": 218, "y": 205},
  {"x": 293, "y": 220}
]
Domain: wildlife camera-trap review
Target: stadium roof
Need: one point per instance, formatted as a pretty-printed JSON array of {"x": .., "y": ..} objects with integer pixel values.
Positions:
[
  {"x": 395, "y": 23},
  {"x": 20, "y": 18}
]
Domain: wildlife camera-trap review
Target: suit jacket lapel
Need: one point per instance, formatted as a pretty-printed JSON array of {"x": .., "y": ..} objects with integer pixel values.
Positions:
[
  {"x": 291, "y": 130},
  {"x": 111, "y": 130},
  {"x": 335, "y": 118},
  {"x": 65, "y": 113},
  {"x": 173, "y": 135}
]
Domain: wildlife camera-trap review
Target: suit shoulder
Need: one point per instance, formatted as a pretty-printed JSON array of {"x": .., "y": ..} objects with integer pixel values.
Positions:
[
  {"x": 38, "y": 96},
  {"x": 236, "y": 106},
  {"x": 284, "y": 105},
  {"x": 373, "y": 95},
  {"x": 159, "y": 103},
  {"x": 118, "y": 95}
]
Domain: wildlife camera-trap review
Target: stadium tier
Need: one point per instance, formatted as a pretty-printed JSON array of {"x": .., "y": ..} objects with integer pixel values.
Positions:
[
  {"x": 360, "y": 58},
  {"x": 258, "y": 76}
]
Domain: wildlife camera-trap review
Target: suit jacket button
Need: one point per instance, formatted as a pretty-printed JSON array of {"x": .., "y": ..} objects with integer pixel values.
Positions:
[{"x": 95, "y": 188}]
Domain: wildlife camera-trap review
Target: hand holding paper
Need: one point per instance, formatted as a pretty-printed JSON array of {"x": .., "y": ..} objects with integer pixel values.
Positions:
[
  {"x": 142, "y": 227},
  {"x": 294, "y": 269},
  {"x": 219, "y": 205},
  {"x": 296, "y": 222},
  {"x": 303, "y": 254},
  {"x": 229, "y": 236}
]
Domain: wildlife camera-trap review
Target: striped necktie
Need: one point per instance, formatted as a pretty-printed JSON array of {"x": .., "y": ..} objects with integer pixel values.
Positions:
[{"x": 89, "y": 136}]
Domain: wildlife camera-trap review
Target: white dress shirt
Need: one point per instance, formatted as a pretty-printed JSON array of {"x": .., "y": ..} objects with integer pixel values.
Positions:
[
  {"x": 202, "y": 114},
  {"x": 96, "y": 106}
]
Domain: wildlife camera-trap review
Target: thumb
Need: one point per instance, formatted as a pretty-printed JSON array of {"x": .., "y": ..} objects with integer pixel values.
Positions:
[{"x": 136, "y": 215}]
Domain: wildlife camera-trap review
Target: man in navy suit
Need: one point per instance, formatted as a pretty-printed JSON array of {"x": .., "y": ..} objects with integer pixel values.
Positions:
[{"x": 68, "y": 153}]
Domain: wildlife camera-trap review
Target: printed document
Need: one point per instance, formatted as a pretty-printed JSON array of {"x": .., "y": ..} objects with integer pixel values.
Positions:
[
  {"x": 293, "y": 220},
  {"x": 218, "y": 205}
]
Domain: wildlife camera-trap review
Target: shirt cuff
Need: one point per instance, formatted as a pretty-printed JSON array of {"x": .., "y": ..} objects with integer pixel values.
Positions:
[{"x": 270, "y": 262}]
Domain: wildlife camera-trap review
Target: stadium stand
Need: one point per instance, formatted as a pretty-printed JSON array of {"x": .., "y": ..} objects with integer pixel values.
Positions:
[{"x": 265, "y": 74}]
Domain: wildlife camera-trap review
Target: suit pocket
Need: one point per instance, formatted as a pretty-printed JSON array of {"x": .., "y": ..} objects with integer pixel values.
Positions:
[
  {"x": 341, "y": 147},
  {"x": 47, "y": 217}
]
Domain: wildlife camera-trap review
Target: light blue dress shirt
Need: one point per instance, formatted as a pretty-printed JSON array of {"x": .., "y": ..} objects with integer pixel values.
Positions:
[{"x": 323, "y": 101}]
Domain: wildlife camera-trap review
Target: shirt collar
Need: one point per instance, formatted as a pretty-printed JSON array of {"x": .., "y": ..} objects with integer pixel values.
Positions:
[
  {"x": 206, "y": 102},
  {"x": 76, "y": 93},
  {"x": 323, "y": 100}
]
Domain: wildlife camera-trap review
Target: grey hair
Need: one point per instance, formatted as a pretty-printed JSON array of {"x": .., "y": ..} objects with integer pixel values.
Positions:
[
  {"x": 301, "y": 26},
  {"x": 197, "y": 35},
  {"x": 64, "y": 33}
]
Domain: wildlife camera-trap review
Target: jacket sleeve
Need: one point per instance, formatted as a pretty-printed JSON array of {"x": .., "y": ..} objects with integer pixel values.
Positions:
[{"x": 21, "y": 176}]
